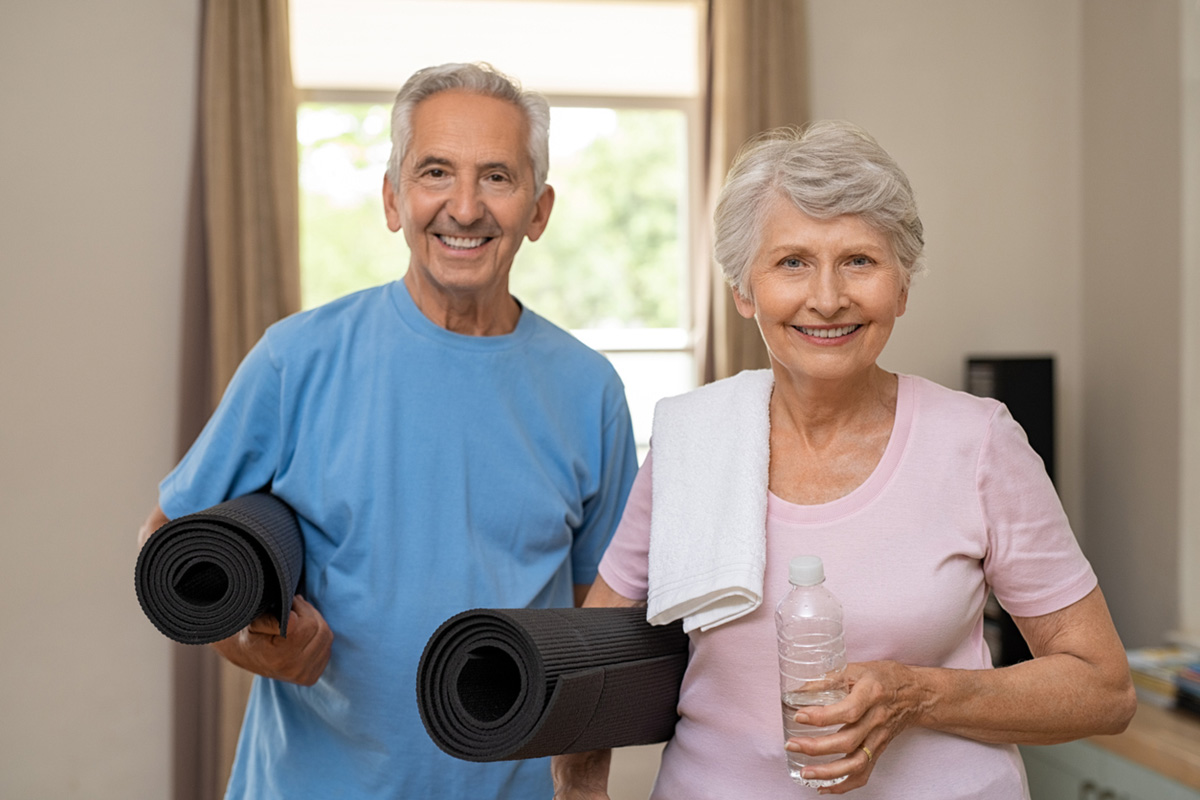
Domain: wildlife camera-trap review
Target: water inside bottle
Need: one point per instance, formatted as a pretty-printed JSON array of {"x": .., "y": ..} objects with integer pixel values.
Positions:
[{"x": 798, "y": 761}]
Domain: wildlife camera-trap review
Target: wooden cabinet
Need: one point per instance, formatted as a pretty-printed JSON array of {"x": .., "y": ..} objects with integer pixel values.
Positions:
[
  {"x": 1083, "y": 771},
  {"x": 1157, "y": 758}
]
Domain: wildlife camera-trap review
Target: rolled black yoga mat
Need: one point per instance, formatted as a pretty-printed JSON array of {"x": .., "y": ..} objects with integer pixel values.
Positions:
[
  {"x": 505, "y": 684},
  {"x": 203, "y": 577}
]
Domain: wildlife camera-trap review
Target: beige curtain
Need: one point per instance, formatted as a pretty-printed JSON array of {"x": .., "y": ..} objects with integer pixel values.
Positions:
[
  {"x": 242, "y": 274},
  {"x": 250, "y": 175},
  {"x": 757, "y": 80}
]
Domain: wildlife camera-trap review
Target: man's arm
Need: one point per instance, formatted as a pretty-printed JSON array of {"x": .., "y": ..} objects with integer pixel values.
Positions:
[
  {"x": 300, "y": 657},
  {"x": 584, "y": 776},
  {"x": 153, "y": 522}
]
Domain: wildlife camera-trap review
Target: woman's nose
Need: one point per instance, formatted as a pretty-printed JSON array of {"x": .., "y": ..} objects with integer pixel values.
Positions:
[{"x": 828, "y": 294}]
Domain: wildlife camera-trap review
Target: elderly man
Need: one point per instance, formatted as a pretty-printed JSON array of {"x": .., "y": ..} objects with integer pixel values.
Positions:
[{"x": 444, "y": 447}]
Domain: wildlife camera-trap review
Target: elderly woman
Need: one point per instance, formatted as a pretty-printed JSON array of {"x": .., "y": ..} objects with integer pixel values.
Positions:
[{"x": 919, "y": 499}]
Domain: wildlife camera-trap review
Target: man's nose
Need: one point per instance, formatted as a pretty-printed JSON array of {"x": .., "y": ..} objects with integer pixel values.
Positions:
[{"x": 465, "y": 204}]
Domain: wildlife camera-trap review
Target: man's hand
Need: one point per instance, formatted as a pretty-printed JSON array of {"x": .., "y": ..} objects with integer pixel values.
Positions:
[
  {"x": 153, "y": 522},
  {"x": 300, "y": 658}
]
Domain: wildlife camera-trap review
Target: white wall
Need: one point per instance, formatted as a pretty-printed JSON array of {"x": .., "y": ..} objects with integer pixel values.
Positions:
[
  {"x": 1189, "y": 574},
  {"x": 95, "y": 151},
  {"x": 1133, "y": 323}
]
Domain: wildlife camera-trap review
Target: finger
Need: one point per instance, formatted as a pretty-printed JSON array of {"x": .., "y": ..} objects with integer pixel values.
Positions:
[
  {"x": 314, "y": 655},
  {"x": 265, "y": 624},
  {"x": 305, "y": 609}
]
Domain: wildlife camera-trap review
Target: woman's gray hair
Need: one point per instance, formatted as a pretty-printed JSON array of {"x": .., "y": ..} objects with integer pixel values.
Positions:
[
  {"x": 482, "y": 79},
  {"x": 826, "y": 169}
]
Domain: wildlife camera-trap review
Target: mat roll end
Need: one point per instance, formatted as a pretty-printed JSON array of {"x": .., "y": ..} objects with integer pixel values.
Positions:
[
  {"x": 203, "y": 577},
  {"x": 508, "y": 684}
]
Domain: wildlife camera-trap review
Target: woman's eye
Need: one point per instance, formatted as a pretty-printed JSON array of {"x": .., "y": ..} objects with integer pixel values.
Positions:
[
  {"x": 861, "y": 261},
  {"x": 792, "y": 263}
]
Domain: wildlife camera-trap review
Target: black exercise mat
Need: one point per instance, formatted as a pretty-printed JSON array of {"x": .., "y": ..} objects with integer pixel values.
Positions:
[
  {"x": 203, "y": 577},
  {"x": 506, "y": 684}
]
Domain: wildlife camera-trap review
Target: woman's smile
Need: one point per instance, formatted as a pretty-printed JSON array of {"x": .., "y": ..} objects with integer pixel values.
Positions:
[{"x": 831, "y": 335}]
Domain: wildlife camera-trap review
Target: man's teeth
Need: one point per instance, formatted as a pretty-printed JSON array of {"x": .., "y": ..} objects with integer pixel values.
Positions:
[
  {"x": 461, "y": 242},
  {"x": 829, "y": 333}
]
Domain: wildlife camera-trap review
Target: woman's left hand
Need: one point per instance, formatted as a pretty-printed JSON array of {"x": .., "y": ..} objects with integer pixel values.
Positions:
[{"x": 883, "y": 700}]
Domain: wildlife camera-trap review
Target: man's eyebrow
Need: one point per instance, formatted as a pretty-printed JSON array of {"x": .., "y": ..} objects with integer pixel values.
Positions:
[
  {"x": 442, "y": 161},
  {"x": 432, "y": 160}
]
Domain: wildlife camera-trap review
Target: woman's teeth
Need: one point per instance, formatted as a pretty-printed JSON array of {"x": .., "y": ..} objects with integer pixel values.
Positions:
[{"x": 829, "y": 333}]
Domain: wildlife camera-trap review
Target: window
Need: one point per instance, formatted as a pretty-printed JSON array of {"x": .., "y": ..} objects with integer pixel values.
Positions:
[{"x": 612, "y": 266}]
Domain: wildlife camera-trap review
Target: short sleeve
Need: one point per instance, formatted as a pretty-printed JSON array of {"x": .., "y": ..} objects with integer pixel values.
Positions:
[
  {"x": 1034, "y": 564},
  {"x": 238, "y": 451},
  {"x": 602, "y": 511},
  {"x": 626, "y": 563}
]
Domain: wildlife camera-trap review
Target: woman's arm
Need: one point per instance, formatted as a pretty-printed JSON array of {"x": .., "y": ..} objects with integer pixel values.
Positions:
[
  {"x": 584, "y": 776},
  {"x": 1077, "y": 684}
]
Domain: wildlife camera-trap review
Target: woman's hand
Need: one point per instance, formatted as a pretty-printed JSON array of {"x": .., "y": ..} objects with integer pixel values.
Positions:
[
  {"x": 884, "y": 699},
  {"x": 300, "y": 657}
]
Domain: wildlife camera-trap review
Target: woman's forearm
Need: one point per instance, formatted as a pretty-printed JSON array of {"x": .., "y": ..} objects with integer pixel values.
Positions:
[
  {"x": 1047, "y": 700},
  {"x": 1078, "y": 684}
]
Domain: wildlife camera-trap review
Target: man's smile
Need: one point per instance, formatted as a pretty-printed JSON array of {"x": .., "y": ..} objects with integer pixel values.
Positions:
[{"x": 463, "y": 242}]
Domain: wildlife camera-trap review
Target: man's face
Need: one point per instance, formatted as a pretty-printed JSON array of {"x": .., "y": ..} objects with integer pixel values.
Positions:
[{"x": 466, "y": 196}]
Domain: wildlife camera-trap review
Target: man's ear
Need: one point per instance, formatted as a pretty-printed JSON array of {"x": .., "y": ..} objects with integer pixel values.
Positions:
[
  {"x": 541, "y": 214},
  {"x": 391, "y": 206}
]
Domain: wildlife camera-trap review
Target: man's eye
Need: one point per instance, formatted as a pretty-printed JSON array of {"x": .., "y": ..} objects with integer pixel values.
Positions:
[{"x": 496, "y": 177}]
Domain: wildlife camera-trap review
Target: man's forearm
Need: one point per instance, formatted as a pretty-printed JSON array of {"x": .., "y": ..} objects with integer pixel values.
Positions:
[{"x": 581, "y": 776}]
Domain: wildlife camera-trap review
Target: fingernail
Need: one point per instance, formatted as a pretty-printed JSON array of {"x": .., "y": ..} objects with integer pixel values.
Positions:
[{"x": 801, "y": 717}]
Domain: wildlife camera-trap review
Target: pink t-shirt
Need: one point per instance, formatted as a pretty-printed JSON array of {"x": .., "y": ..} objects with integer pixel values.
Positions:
[{"x": 959, "y": 504}]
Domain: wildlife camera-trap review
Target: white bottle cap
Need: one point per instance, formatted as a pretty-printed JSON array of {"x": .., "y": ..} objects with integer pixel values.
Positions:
[{"x": 806, "y": 571}]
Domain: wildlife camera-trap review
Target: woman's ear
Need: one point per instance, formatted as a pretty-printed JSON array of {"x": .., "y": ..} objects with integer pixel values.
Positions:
[{"x": 745, "y": 305}]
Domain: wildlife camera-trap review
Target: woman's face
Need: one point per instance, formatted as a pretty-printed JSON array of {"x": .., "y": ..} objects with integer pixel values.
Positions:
[{"x": 825, "y": 293}]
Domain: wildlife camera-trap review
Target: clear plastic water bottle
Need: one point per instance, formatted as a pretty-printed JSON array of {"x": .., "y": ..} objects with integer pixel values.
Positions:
[{"x": 812, "y": 657}]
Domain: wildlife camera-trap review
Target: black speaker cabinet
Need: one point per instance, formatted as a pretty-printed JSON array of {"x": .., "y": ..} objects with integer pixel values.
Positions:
[{"x": 1026, "y": 386}]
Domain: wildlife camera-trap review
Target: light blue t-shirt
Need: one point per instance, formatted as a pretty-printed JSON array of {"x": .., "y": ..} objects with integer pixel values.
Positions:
[{"x": 432, "y": 473}]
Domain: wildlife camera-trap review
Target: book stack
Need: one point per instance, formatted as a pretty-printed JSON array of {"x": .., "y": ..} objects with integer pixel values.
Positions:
[
  {"x": 1188, "y": 684},
  {"x": 1156, "y": 672}
]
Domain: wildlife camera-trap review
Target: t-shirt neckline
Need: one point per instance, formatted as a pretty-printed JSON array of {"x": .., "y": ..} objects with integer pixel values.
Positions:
[
  {"x": 869, "y": 489},
  {"x": 420, "y": 324}
]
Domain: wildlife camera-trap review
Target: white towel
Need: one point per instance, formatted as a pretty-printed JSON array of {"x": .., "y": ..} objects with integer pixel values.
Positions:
[{"x": 709, "y": 514}]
